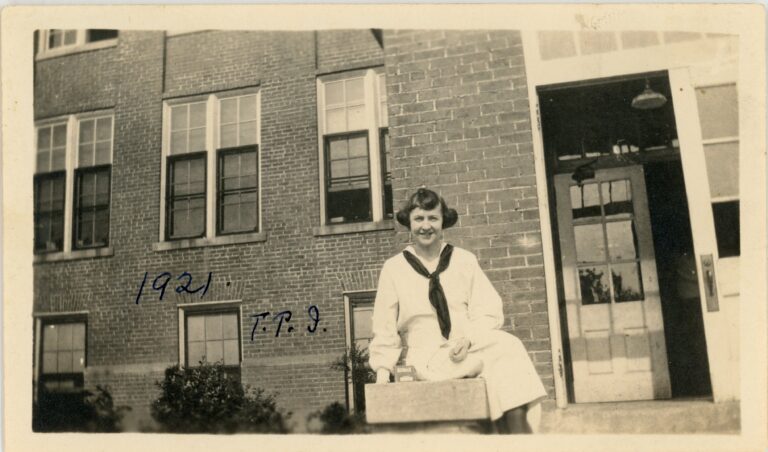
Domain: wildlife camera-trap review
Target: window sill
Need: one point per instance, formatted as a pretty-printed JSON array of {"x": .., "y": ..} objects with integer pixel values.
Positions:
[
  {"x": 214, "y": 241},
  {"x": 351, "y": 228},
  {"x": 76, "y": 49},
  {"x": 74, "y": 255}
]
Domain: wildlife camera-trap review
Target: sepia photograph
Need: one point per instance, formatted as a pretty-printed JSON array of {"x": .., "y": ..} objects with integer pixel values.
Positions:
[{"x": 330, "y": 228}]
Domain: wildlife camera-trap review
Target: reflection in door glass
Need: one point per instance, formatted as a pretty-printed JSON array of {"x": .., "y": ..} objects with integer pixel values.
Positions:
[
  {"x": 585, "y": 201},
  {"x": 621, "y": 240},
  {"x": 617, "y": 197},
  {"x": 594, "y": 285},
  {"x": 627, "y": 285},
  {"x": 590, "y": 246}
]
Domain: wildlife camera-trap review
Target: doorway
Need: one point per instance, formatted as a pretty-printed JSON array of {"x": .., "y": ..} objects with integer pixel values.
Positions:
[{"x": 627, "y": 282}]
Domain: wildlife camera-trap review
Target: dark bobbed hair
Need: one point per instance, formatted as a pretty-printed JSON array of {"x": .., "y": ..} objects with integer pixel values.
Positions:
[{"x": 426, "y": 199}]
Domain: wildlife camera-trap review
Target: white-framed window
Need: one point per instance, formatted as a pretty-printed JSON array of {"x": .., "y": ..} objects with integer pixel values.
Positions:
[
  {"x": 211, "y": 166},
  {"x": 53, "y": 42},
  {"x": 211, "y": 333},
  {"x": 355, "y": 182},
  {"x": 72, "y": 182},
  {"x": 359, "y": 332}
]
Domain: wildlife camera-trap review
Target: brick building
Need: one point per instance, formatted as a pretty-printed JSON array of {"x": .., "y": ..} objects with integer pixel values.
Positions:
[{"x": 265, "y": 167}]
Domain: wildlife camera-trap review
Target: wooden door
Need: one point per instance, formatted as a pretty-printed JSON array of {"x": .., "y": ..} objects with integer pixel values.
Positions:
[{"x": 615, "y": 324}]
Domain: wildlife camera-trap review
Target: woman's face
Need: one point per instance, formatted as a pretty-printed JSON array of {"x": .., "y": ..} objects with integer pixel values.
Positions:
[{"x": 426, "y": 226}]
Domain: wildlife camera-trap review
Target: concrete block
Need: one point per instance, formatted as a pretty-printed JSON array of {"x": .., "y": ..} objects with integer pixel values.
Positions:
[{"x": 425, "y": 401}]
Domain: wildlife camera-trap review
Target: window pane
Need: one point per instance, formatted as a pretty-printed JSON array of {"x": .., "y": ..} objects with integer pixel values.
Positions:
[
  {"x": 362, "y": 323},
  {"x": 60, "y": 136},
  {"x": 78, "y": 361},
  {"x": 593, "y": 282},
  {"x": 228, "y": 136},
  {"x": 179, "y": 117},
  {"x": 43, "y": 138},
  {"x": 248, "y": 218},
  {"x": 87, "y": 131},
  {"x": 214, "y": 351},
  {"x": 590, "y": 246},
  {"x": 195, "y": 328},
  {"x": 85, "y": 155},
  {"x": 178, "y": 142},
  {"x": 338, "y": 148},
  {"x": 78, "y": 336},
  {"x": 228, "y": 110},
  {"x": 349, "y": 206},
  {"x": 64, "y": 362},
  {"x": 50, "y": 338},
  {"x": 726, "y": 215},
  {"x": 104, "y": 129},
  {"x": 617, "y": 197},
  {"x": 358, "y": 146},
  {"x": 621, "y": 240},
  {"x": 358, "y": 167},
  {"x": 195, "y": 353},
  {"x": 50, "y": 361},
  {"x": 355, "y": 91},
  {"x": 43, "y": 162},
  {"x": 334, "y": 93},
  {"x": 197, "y": 115},
  {"x": 213, "y": 329},
  {"x": 626, "y": 282},
  {"x": 103, "y": 152},
  {"x": 229, "y": 325},
  {"x": 70, "y": 36},
  {"x": 231, "y": 214},
  {"x": 101, "y": 232},
  {"x": 585, "y": 201},
  {"x": 356, "y": 118},
  {"x": 197, "y": 139},
  {"x": 65, "y": 336},
  {"x": 55, "y": 38},
  {"x": 248, "y": 108},
  {"x": 248, "y": 133},
  {"x": 339, "y": 170},
  {"x": 197, "y": 173},
  {"x": 336, "y": 120},
  {"x": 231, "y": 352},
  {"x": 248, "y": 163},
  {"x": 101, "y": 35},
  {"x": 718, "y": 111},
  {"x": 722, "y": 168},
  {"x": 58, "y": 160}
]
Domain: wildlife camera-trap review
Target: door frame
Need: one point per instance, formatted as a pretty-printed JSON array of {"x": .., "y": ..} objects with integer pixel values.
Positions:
[{"x": 715, "y": 59}]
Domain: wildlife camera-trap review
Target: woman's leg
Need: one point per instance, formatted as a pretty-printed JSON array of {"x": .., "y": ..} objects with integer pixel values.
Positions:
[{"x": 515, "y": 421}]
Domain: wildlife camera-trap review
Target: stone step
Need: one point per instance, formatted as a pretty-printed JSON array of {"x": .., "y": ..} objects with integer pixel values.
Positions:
[{"x": 656, "y": 416}]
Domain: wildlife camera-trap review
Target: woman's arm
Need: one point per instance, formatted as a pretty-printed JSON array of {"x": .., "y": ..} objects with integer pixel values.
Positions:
[
  {"x": 485, "y": 310},
  {"x": 385, "y": 347}
]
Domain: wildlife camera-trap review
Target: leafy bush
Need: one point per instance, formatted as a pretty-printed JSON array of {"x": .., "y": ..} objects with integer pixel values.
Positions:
[
  {"x": 354, "y": 363},
  {"x": 81, "y": 411},
  {"x": 336, "y": 419},
  {"x": 206, "y": 399}
]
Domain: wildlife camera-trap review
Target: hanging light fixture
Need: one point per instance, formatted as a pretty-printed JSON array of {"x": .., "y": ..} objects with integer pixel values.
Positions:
[{"x": 648, "y": 99}]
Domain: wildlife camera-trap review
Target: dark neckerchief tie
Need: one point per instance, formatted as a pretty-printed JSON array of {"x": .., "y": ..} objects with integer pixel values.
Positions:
[{"x": 436, "y": 294}]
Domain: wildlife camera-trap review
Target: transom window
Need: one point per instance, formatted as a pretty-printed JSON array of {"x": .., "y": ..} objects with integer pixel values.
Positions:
[
  {"x": 60, "y": 41},
  {"x": 353, "y": 123},
  {"x": 212, "y": 164}
]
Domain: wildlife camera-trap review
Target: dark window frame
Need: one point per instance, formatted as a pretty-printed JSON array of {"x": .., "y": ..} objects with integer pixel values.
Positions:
[
  {"x": 38, "y": 179},
  {"x": 77, "y": 209},
  {"x": 231, "y": 370},
  {"x": 77, "y": 377},
  {"x": 327, "y": 171},
  {"x": 221, "y": 154},
  {"x": 388, "y": 210},
  {"x": 169, "y": 198}
]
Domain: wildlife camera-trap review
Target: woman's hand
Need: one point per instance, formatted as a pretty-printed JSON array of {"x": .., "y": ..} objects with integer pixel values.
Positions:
[
  {"x": 459, "y": 351},
  {"x": 382, "y": 376}
]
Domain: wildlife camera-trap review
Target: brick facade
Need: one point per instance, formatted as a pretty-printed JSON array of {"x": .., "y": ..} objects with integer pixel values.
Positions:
[{"x": 459, "y": 122}]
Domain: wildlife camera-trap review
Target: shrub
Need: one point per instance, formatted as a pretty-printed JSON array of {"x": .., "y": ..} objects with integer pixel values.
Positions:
[
  {"x": 81, "y": 411},
  {"x": 354, "y": 363},
  {"x": 206, "y": 399},
  {"x": 336, "y": 419}
]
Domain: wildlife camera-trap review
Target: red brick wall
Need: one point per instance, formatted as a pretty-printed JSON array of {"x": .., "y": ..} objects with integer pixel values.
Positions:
[
  {"x": 290, "y": 271},
  {"x": 460, "y": 124}
]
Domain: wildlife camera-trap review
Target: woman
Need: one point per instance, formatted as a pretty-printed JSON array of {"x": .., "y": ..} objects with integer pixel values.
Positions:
[{"x": 449, "y": 314}]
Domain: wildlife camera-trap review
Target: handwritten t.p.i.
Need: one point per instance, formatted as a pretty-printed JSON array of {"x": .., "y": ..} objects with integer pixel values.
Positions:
[{"x": 160, "y": 283}]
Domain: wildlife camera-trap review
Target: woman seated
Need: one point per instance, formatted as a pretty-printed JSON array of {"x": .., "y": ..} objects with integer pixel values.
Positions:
[{"x": 449, "y": 314}]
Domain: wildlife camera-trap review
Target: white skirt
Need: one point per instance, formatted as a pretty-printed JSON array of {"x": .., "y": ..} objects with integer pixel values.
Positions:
[{"x": 510, "y": 378}]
